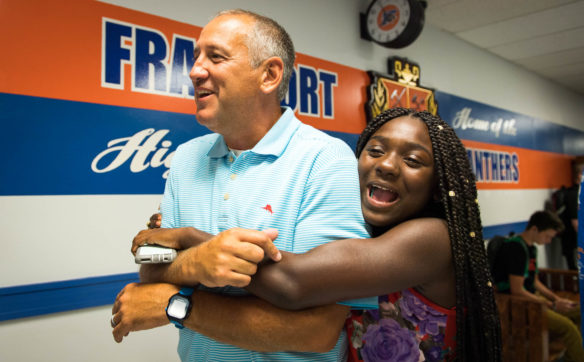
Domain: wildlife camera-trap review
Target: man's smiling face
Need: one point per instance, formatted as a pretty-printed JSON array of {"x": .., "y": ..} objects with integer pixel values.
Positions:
[{"x": 223, "y": 78}]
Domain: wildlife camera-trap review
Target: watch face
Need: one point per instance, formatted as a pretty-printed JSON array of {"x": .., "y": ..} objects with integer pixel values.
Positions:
[
  {"x": 387, "y": 19},
  {"x": 178, "y": 307}
]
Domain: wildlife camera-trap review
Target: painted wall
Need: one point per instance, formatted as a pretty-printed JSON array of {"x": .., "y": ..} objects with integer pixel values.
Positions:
[{"x": 72, "y": 230}]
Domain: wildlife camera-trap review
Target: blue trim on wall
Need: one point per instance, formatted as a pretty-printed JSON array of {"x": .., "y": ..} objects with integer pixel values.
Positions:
[
  {"x": 45, "y": 298},
  {"x": 63, "y": 166},
  {"x": 503, "y": 229},
  {"x": 476, "y": 121}
]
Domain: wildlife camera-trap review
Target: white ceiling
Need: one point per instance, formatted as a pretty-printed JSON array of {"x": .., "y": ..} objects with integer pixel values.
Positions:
[{"x": 544, "y": 36}]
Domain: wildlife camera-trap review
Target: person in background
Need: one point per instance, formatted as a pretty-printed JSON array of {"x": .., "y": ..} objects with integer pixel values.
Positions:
[
  {"x": 515, "y": 272},
  {"x": 426, "y": 261},
  {"x": 260, "y": 169},
  {"x": 566, "y": 207}
]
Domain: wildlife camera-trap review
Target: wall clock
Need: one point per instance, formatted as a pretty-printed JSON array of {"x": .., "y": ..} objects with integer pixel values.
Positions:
[{"x": 393, "y": 23}]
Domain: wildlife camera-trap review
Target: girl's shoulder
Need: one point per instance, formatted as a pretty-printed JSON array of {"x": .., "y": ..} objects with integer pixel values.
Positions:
[{"x": 428, "y": 224}]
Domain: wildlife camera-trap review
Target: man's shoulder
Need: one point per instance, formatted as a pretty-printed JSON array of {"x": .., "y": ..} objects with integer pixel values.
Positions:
[
  {"x": 322, "y": 153},
  {"x": 193, "y": 150},
  {"x": 309, "y": 133},
  {"x": 207, "y": 140},
  {"x": 310, "y": 138},
  {"x": 198, "y": 144}
]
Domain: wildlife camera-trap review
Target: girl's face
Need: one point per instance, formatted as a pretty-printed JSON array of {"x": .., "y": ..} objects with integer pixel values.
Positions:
[{"x": 396, "y": 172}]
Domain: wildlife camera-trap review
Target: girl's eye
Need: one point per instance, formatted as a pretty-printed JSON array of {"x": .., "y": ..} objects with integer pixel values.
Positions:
[
  {"x": 374, "y": 152},
  {"x": 412, "y": 162}
]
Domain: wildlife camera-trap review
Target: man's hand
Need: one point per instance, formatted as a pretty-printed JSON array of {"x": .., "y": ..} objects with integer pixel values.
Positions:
[
  {"x": 231, "y": 257},
  {"x": 564, "y": 305},
  {"x": 139, "y": 307}
]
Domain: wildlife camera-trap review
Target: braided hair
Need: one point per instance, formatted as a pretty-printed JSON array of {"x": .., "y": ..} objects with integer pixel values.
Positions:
[{"x": 478, "y": 334}]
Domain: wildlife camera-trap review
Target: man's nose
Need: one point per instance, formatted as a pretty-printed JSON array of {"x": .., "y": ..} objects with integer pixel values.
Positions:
[{"x": 198, "y": 71}]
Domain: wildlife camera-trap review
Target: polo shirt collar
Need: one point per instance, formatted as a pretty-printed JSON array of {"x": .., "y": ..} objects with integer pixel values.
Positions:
[
  {"x": 219, "y": 148},
  {"x": 278, "y": 137},
  {"x": 273, "y": 143}
]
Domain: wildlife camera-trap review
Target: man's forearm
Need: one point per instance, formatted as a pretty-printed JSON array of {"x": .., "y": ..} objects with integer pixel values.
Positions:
[
  {"x": 535, "y": 298},
  {"x": 190, "y": 237},
  {"x": 543, "y": 290},
  {"x": 251, "y": 323}
]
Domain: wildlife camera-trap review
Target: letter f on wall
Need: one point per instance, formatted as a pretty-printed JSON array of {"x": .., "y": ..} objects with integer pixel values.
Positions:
[{"x": 114, "y": 53}]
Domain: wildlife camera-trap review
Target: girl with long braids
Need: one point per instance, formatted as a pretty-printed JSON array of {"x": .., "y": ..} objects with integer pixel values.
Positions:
[{"x": 426, "y": 259}]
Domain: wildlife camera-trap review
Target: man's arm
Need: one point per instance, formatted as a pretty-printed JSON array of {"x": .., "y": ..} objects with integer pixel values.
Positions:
[
  {"x": 230, "y": 259},
  {"x": 258, "y": 325},
  {"x": 544, "y": 291},
  {"x": 246, "y": 322},
  {"x": 516, "y": 285},
  {"x": 554, "y": 301},
  {"x": 549, "y": 298}
]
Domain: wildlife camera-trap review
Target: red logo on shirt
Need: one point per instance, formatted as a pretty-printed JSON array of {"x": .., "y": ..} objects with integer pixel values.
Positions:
[
  {"x": 531, "y": 264},
  {"x": 268, "y": 208}
]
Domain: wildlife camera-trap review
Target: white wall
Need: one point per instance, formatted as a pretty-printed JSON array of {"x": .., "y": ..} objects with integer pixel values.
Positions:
[
  {"x": 82, "y": 336},
  {"x": 326, "y": 29}
]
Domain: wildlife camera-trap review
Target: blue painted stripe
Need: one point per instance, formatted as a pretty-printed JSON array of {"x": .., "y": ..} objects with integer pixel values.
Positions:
[
  {"x": 503, "y": 229},
  {"x": 45, "y": 298},
  {"x": 481, "y": 122},
  {"x": 53, "y": 144}
]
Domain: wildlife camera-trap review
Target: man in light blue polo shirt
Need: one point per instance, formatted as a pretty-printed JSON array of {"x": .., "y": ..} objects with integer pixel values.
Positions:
[{"x": 261, "y": 169}]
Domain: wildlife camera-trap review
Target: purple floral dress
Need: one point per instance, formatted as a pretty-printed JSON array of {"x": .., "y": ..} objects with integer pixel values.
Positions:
[{"x": 405, "y": 327}]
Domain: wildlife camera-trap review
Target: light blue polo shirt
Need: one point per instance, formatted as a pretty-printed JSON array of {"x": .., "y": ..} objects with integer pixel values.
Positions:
[{"x": 297, "y": 179}]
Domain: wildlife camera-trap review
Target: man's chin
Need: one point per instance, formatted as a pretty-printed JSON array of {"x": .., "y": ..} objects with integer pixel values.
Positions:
[{"x": 204, "y": 118}]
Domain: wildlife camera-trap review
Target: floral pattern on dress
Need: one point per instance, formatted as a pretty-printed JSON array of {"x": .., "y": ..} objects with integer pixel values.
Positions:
[{"x": 403, "y": 329}]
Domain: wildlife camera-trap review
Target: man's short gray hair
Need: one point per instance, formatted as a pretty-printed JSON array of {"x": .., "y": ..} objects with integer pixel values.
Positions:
[{"x": 268, "y": 39}]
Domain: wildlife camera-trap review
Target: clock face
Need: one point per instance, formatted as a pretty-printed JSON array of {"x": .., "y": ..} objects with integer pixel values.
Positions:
[{"x": 387, "y": 19}]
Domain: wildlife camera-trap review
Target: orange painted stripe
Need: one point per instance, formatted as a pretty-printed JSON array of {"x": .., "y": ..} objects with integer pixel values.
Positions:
[
  {"x": 350, "y": 96},
  {"x": 537, "y": 169},
  {"x": 52, "y": 49}
]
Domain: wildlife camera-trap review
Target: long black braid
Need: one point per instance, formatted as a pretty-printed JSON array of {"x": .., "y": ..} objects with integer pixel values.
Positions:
[{"x": 478, "y": 334}]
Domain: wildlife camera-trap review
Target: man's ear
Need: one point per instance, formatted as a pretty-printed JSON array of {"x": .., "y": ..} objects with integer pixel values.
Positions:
[{"x": 273, "y": 71}]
